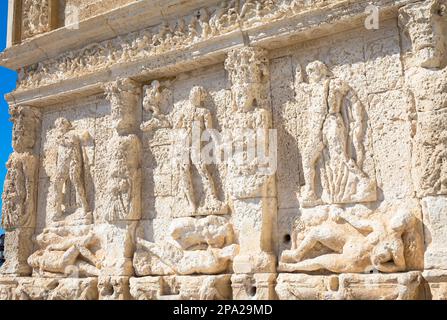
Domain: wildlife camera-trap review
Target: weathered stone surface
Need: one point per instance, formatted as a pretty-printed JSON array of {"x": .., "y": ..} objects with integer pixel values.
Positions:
[
  {"x": 226, "y": 150},
  {"x": 49, "y": 289},
  {"x": 436, "y": 284},
  {"x": 434, "y": 211},
  {"x": 402, "y": 286},
  {"x": 181, "y": 288}
]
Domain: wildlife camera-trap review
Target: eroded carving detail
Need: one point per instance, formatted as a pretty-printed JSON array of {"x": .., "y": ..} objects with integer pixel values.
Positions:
[
  {"x": 189, "y": 125},
  {"x": 20, "y": 189},
  {"x": 168, "y": 36},
  {"x": 424, "y": 25},
  {"x": 197, "y": 246},
  {"x": 337, "y": 128},
  {"x": 356, "y": 245},
  {"x": 250, "y": 182},
  {"x": 66, "y": 251},
  {"x": 68, "y": 195},
  {"x": 35, "y": 18},
  {"x": 125, "y": 153}
]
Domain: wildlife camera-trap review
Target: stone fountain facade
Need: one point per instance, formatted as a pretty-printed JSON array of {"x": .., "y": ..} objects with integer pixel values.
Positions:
[{"x": 343, "y": 103}]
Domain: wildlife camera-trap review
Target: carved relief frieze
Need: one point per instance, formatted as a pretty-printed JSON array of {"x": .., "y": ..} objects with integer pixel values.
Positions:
[{"x": 199, "y": 26}]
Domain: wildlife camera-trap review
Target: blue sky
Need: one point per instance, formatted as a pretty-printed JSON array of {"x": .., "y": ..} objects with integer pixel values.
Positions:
[{"x": 7, "y": 84}]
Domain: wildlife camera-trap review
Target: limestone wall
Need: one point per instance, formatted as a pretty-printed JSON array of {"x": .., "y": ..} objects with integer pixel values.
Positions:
[{"x": 253, "y": 150}]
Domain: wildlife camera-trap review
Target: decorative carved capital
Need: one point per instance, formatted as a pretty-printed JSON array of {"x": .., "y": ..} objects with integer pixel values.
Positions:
[
  {"x": 26, "y": 126},
  {"x": 424, "y": 24},
  {"x": 247, "y": 65},
  {"x": 124, "y": 95},
  {"x": 249, "y": 74}
]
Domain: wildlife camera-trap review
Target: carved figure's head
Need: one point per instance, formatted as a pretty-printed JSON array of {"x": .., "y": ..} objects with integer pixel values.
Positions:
[
  {"x": 425, "y": 24},
  {"x": 63, "y": 125},
  {"x": 317, "y": 71},
  {"x": 402, "y": 220}
]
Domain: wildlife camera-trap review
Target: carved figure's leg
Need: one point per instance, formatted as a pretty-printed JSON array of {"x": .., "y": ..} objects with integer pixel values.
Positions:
[
  {"x": 78, "y": 182},
  {"x": 58, "y": 186}
]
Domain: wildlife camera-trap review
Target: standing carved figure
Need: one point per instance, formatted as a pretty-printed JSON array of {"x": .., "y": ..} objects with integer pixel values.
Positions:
[
  {"x": 71, "y": 162},
  {"x": 125, "y": 161},
  {"x": 191, "y": 123},
  {"x": 250, "y": 179},
  {"x": 337, "y": 131}
]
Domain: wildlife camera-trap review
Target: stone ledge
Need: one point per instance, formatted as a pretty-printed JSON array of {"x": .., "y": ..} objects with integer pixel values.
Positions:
[
  {"x": 399, "y": 286},
  {"x": 199, "y": 287}
]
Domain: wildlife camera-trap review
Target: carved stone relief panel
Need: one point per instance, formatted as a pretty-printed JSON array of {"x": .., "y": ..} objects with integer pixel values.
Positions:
[
  {"x": 195, "y": 246},
  {"x": 311, "y": 90},
  {"x": 35, "y": 17},
  {"x": 177, "y": 33},
  {"x": 356, "y": 240},
  {"x": 19, "y": 200}
]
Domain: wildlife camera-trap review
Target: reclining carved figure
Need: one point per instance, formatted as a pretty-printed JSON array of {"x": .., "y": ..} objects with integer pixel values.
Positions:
[
  {"x": 65, "y": 255},
  {"x": 197, "y": 246},
  {"x": 381, "y": 248}
]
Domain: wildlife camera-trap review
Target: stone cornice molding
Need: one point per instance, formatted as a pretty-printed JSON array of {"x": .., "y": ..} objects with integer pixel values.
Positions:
[{"x": 272, "y": 34}]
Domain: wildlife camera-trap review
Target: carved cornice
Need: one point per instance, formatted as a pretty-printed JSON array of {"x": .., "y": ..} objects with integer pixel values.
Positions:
[{"x": 167, "y": 49}]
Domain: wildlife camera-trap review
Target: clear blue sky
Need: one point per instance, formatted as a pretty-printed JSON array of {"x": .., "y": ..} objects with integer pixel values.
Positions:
[{"x": 7, "y": 84}]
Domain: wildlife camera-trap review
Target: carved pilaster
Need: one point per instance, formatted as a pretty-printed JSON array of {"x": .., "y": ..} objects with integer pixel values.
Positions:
[
  {"x": 423, "y": 27},
  {"x": 20, "y": 191},
  {"x": 251, "y": 179},
  {"x": 123, "y": 206}
]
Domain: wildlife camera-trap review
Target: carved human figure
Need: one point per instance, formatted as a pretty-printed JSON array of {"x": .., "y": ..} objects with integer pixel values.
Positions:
[
  {"x": 193, "y": 234},
  {"x": 191, "y": 122},
  {"x": 193, "y": 32},
  {"x": 65, "y": 254},
  {"x": 248, "y": 7},
  {"x": 423, "y": 26},
  {"x": 152, "y": 101},
  {"x": 196, "y": 245},
  {"x": 182, "y": 262},
  {"x": 124, "y": 187},
  {"x": 20, "y": 188},
  {"x": 337, "y": 131},
  {"x": 357, "y": 245},
  {"x": 71, "y": 164},
  {"x": 216, "y": 19},
  {"x": 250, "y": 117}
]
